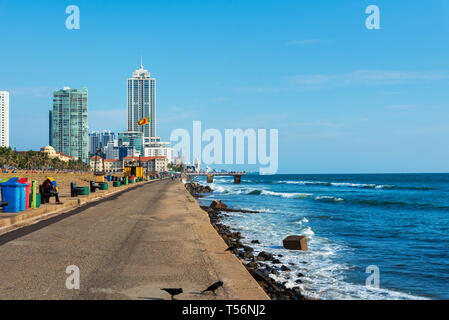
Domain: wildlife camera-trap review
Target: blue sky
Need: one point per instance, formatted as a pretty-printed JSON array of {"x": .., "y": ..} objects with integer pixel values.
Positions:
[{"x": 344, "y": 98}]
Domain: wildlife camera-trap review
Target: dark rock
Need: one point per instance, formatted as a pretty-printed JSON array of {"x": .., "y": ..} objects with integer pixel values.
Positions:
[
  {"x": 218, "y": 205},
  {"x": 255, "y": 242},
  {"x": 300, "y": 275},
  {"x": 252, "y": 265},
  {"x": 284, "y": 268},
  {"x": 248, "y": 249},
  {"x": 265, "y": 256},
  {"x": 276, "y": 261},
  {"x": 295, "y": 243},
  {"x": 196, "y": 188}
]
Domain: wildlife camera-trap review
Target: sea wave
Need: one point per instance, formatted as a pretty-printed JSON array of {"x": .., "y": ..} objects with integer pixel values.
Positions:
[
  {"x": 353, "y": 185},
  {"x": 286, "y": 194}
]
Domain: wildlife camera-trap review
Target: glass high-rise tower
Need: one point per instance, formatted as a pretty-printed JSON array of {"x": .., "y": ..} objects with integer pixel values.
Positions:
[
  {"x": 142, "y": 102},
  {"x": 69, "y": 122}
]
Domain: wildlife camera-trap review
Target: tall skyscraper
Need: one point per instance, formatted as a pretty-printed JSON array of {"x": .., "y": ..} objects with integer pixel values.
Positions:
[
  {"x": 94, "y": 142},
  {"x": 132, "y": 139},
  {"x": 142, "y": 102},
  {"x": 4, "y": 119},
  {"x": 106, "y": 137},
  {"x": 50, "y": 127},
  {"x": 70, "y": 130}
]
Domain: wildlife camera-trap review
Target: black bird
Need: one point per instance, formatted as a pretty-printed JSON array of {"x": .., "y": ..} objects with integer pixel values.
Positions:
[
  {"x": 173, "y": 291},
  {"x": 231, "y": 248},
  {"x": 214, "y": 287}
]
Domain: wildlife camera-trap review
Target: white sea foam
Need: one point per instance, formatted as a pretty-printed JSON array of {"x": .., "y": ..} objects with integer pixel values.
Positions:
[
  {"x": 329, "y": 199},
  {"x": 323, "y": 274},
  {"x": 338, "y": 184},
  {"x": 286, "y": 194}
]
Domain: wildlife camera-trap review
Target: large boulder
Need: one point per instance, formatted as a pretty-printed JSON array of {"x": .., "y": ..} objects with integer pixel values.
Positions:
[
  {"x": 218, "y": 205},
  {"x": 265, "y": 256},
  {"x": 295, "y": 243}
]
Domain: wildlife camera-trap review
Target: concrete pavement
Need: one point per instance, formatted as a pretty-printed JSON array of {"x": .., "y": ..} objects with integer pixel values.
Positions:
[{"x": 127, "y": 246}]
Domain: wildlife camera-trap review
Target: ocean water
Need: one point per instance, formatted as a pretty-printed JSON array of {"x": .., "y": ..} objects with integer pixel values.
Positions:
[{"x": 397, "y": 222}]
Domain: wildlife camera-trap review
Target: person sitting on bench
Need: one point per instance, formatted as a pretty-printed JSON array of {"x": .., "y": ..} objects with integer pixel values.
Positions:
[{"x": 51, "y": 188}]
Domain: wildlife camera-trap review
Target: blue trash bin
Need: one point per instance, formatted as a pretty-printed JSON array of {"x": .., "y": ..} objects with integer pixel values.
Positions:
[
  {"x": 109, "y": 177},
  {"x": 13, "y": 192}
]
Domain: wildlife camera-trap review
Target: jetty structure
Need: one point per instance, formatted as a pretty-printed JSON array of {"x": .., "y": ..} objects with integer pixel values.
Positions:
[{"x": 210, "y": 175}]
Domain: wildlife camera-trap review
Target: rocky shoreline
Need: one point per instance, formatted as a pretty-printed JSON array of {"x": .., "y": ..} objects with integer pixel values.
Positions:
[{"x": 259, "y": 266}]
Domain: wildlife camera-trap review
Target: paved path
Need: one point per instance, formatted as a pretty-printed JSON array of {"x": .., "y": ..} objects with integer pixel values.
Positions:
[{"x": 127, "y": 246}]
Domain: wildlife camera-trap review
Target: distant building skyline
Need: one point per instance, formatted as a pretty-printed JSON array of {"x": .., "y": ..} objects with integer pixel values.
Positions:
[
  {"x": 4, "y": 119},
  {"x": 141, "y": 102},
  {"x": 70, "y": 122}
]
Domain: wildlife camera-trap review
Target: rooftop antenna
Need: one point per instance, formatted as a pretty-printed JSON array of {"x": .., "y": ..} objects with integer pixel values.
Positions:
[{"x": 141, "y": 63}]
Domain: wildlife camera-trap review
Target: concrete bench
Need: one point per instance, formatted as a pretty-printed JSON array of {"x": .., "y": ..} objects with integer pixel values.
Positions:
[
  {"x": 93, "y": 186},
  {"x": 74, "y": 190}
]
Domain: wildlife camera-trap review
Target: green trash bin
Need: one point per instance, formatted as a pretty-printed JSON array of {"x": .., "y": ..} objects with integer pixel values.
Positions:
[
  {"x": 104, "y": 186},
  {"x": 38, "y": 200},
  {"x": 84, "y": 191},
  {"x": 116, "y": 184}
]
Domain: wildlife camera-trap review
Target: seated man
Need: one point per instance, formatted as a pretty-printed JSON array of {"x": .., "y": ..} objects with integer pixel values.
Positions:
[{"x": 50, "y": 187}]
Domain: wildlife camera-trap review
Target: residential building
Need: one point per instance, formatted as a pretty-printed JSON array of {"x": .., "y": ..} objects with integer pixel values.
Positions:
[
  {"x": 131, "y": 139},
  {"x": 4, "y": 119},
  {"x": 141, "y": 102},
  {"x": 106, "y": 137},
  {"x": 158, "y": 148},
  {"x": 70, "y": 127},
  {"x": 151, "y": 164},
  {"x": 94, "y": 143}
]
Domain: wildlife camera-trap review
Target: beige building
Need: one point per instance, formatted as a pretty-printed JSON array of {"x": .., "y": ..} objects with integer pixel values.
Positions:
[
  {"x": 51, "y": 152},
  {"x": 150, "y": 164}
]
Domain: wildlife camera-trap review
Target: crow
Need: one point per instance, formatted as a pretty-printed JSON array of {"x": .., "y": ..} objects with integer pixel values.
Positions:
[
  {"x": 173, "y": 291},
  {"x": 213, "y": 287}
]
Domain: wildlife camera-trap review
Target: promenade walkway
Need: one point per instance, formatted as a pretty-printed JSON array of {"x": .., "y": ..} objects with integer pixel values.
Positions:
[{"x": 126, "y": 246}]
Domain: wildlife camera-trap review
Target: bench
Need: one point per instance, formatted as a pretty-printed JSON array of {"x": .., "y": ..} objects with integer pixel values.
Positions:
[
  {"x": 93, "y": 186},
  {"x": 74, "y": 190},
  {"x": 45, "y": 196}
]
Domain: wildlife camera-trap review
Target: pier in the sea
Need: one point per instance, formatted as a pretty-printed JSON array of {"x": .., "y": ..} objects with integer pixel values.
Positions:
[{"x": 210, "y": 175}]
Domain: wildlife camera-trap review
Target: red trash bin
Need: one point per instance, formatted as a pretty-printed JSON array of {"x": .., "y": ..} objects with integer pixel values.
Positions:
[{"x": 27, "y": 184}]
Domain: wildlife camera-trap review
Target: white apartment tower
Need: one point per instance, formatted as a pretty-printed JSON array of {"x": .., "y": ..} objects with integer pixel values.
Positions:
[
  {"x": 4, "y": 119},
  {"x": 141, "y": 101}
]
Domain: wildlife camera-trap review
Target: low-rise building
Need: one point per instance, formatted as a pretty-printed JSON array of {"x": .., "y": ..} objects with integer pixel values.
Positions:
[
  {"x": 51, "y": 152},
  {"x": 150, "y": 164}
]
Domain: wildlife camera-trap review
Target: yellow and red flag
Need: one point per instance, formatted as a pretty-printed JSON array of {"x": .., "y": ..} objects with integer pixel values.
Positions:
[{"x": 144, "y": 121}]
